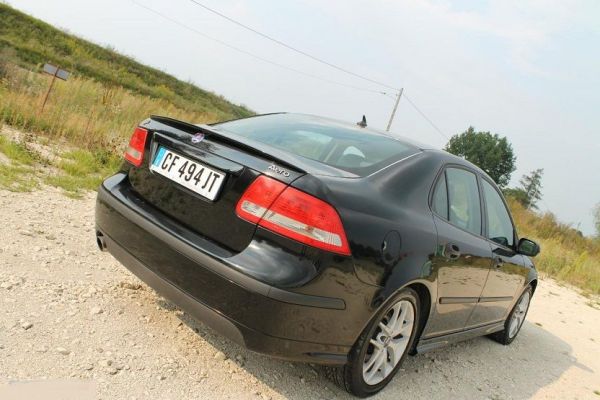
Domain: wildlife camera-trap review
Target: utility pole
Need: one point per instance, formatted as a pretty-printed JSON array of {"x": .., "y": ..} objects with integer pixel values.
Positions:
[{"x": 394, "y": 110}]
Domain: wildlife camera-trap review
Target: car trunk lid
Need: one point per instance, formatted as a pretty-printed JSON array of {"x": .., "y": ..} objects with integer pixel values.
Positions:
[{"x": 239, "y": 162}]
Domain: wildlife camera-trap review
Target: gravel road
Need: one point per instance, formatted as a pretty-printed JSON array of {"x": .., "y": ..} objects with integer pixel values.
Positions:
[{"x": 69, "y": 312}]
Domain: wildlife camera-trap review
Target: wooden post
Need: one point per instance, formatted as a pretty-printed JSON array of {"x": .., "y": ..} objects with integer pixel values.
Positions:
[
  {"x": 88, "y": 122},
  {"x": 394, "y": 110},
  {"x": 49, "y": 88}
]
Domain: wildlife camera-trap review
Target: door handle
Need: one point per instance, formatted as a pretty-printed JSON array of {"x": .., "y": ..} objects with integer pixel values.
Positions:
[
  {"x": 451, "y": 251},
  {"x": 498, "y": 262}
]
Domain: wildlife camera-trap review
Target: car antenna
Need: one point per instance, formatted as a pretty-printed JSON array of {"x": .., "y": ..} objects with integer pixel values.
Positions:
[{"x": 363, "y": 123}]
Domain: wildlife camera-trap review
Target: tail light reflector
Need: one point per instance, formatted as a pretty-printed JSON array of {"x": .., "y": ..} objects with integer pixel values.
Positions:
[
  {"x": 135, "y": 151},
  {"x": 293, "y": 213}
]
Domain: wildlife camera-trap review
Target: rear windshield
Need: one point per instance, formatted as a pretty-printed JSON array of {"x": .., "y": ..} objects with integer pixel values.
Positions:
[{"x": 353, "y": 149}]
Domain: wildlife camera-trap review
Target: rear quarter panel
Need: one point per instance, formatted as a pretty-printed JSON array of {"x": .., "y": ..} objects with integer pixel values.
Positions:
[{"x": 389, "y": 207}]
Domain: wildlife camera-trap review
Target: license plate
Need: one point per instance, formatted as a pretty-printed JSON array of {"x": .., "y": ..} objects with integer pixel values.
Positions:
[{"x": 191, "y": 174}]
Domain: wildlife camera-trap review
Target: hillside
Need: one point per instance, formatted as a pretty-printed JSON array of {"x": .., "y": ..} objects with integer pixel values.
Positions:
[
  {"x": 79, "y": 136},
  {"x": 29, "y": 43},
  {"x": 566, "y": 254}
]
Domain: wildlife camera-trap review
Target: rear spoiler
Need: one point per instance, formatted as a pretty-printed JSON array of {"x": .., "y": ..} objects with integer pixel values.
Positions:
[
  {"x": 249, "y": 146},
  {"x": 285, "y": 159}
]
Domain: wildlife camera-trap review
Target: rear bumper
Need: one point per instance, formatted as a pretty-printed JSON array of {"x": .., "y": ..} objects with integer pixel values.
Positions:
[{"x": 196, "y": 276}]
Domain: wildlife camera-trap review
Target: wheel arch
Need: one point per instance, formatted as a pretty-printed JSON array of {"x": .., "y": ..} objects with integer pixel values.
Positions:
[
  {"x": 425, "y": 311},
  {"x": 425, "y": 291},
  {"x": 533, "y": 283}
]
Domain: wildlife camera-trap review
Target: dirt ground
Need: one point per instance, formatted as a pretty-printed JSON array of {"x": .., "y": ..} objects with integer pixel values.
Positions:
[{"x": 71, "y": 314}]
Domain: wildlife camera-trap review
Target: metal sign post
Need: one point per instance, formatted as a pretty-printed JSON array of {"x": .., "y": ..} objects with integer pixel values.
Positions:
[{"x": 56, "y": 72}]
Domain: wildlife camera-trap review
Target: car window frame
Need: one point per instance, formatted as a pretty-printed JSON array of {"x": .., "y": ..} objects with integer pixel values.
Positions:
[
  {"x": 515, "y": 234},
  {"x": 442, "y": 172},
  {"x": 434, "y": 190}
]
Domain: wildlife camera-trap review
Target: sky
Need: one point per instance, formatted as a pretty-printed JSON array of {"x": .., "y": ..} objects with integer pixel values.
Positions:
[{"x": 527, "y": 70}]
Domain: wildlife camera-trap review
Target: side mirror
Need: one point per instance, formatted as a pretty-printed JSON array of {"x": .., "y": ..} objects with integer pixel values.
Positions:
[{"x": 528, "y": 247}]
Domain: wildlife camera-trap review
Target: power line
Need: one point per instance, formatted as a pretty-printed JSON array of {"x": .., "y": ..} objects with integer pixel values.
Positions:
[
  {"x": 287, "y": 67},
  {"x": 252, "y": 54},
  {"x": 425, "y": 116},
  {"x": 287, "y": 46}
]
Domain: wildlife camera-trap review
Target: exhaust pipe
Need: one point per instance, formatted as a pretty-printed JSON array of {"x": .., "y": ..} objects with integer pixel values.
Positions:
[{"x": 100, "y": 241}]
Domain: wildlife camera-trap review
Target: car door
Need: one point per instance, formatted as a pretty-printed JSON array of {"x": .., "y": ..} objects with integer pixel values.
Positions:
[
  {"x": 463, "y": 257},
  {"x": 508, "y": 272}
]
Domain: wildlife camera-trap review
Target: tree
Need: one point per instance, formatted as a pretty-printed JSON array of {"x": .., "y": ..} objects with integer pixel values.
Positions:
[
  {"x": 596, "y": 213},
  {"x": 491, "y": 153},
  {"x": 530, "y": 191},
  {"x": 532, "y": 185}
]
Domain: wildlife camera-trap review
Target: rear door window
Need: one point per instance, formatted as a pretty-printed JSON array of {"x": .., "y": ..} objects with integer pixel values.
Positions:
[{"x": 464, "y": 208}]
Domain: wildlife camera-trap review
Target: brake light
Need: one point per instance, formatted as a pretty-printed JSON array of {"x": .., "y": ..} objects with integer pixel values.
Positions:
[
  {"x": 257, "y": 199},
  {"x": 293, "y": 213},
  {"x": 135, "y": 151}
]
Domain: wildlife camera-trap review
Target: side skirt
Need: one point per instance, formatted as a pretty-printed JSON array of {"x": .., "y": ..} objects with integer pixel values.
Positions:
[{"x": 440, "y": 341}]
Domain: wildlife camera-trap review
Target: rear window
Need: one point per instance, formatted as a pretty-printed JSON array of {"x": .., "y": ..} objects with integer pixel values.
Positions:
[{"x": 353, "y": 149}]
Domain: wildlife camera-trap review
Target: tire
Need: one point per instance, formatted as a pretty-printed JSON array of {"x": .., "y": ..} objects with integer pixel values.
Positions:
[
  {"x": 517, "y": 315},
  {"x": 392, "y": 346}
]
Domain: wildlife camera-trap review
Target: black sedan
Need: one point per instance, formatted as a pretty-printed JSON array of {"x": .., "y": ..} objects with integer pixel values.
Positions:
[{"x": 315, "y": 240}]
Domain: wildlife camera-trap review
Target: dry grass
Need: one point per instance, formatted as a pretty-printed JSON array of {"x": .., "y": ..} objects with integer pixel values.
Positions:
[
  {"x": 566, "y": 254},
  {"x": 80, "y": 111},
  {"x": 94, "y": 121}
]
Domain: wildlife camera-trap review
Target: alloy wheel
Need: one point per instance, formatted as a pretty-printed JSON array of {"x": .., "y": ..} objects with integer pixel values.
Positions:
[
  {"x": 389, "y": 342},
  {"x": 518, "y": 316}
]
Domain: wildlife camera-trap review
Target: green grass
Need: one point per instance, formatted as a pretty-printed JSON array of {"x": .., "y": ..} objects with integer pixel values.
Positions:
[
  {"x": 72, "y": 186},
  {"x": 17, "y": 178},
  {"x": 83, "y": 170},
  {"x": 18, "y": 175},
  {"x": 84, "y": 163},
  {"x": 16, "y": 152},
  {"x": 77, "y": 171}
]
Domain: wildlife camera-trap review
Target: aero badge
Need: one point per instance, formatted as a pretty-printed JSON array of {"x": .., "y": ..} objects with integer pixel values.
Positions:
[{"x": 198, "y": 137}]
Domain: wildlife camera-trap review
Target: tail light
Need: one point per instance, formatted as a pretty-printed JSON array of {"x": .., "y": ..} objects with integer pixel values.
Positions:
[
  {"x": 135, "y": 151},
  {"x": 293, "y": 213}
]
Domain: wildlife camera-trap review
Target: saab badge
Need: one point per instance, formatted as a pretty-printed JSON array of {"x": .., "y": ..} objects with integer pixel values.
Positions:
[{"x": 198, "y": 137}]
